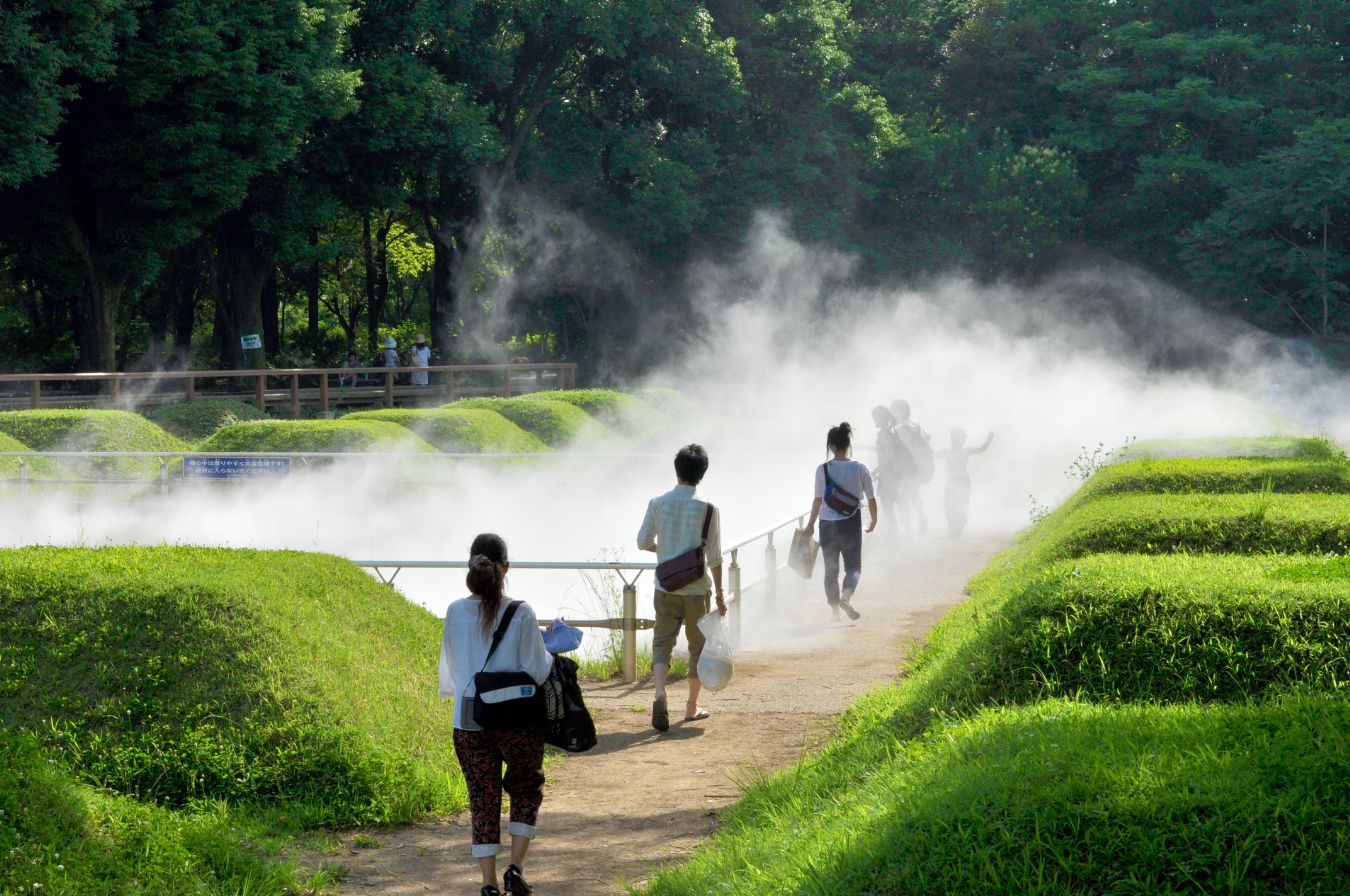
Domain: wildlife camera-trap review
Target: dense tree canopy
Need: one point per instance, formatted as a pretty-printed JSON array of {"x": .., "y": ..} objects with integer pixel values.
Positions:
[{"x": 174, "y": 177}]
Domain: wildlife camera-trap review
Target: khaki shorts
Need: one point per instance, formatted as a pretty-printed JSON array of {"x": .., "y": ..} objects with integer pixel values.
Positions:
[{"x": 672, "y": 611}]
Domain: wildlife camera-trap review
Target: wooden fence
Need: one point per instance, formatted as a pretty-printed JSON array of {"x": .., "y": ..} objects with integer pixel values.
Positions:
[{"x": 325, "y": 386}]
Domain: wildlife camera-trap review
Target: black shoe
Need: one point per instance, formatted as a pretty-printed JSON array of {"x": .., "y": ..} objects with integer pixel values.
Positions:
[
  {"x": 489, "y": 890},
  {"x": 515, "y": 882}
]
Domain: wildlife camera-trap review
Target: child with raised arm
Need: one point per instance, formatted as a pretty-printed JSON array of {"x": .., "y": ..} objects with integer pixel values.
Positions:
[{"x": 956, "y": 496}]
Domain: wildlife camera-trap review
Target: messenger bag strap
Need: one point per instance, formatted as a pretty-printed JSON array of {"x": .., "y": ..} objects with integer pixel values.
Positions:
[
  {"x": 707, "y": 521},
  {"x": 501, "y": 630}
]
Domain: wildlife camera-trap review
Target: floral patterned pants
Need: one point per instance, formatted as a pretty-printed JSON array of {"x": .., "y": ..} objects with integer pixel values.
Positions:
[{"x": 481, "y": 756}]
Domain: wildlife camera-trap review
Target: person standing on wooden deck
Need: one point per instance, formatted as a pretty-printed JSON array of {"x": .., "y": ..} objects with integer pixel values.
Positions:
[{"x": 421, "y": 357}]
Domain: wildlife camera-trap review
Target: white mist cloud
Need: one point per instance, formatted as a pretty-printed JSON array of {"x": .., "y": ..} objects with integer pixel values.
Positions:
[{"x": 781, "y": 347}]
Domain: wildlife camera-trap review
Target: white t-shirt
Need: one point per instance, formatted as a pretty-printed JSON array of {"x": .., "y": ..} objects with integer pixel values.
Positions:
[
  {"x": 463, "y": 650},
  {"x": 852, "y": 476}
]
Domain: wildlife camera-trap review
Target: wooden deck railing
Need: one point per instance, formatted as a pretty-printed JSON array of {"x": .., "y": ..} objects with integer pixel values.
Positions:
[{"x": 325, "y": 386}]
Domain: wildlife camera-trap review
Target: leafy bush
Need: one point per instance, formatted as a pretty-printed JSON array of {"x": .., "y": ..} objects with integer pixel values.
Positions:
[
  {"x": 456, "y": 430},
  {"x": 264, "y": 678},
  {"x": 555, "y": 422},
  {"x": 314, "y": 435},
  {"x": 1057, "y": 798},
  {"x": 198, "y": 419},
  {"x": 60, "y": 836},
  {"x": 92, "y": 430}
]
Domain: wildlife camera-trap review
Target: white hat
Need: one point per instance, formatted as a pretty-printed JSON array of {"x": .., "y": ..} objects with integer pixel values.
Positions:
[{"x": 389, "y": 342}]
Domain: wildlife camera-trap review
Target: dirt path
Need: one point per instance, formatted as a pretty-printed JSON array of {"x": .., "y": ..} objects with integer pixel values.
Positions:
[{"x": 641, "y": 799}]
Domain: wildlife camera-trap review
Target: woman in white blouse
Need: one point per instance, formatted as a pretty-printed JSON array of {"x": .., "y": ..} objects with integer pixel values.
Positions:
[{"x": 469, "y": 624}]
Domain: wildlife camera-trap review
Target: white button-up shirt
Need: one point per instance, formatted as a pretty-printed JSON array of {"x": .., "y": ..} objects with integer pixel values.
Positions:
[
  {"x": 674, "y": 524},
  {"x": 464, "y": 650}
]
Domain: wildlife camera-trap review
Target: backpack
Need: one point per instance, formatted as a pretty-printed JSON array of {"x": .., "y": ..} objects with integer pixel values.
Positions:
[
  {"x": 567, "y": 722},
  {"x": 921, "y": 451},
  {"x": 901, "y": 463}
]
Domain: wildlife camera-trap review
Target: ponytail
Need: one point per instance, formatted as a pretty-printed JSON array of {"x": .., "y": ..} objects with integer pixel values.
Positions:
[
  {"x": 839, "y": 437},
  {"x": 487, "y": 577}
]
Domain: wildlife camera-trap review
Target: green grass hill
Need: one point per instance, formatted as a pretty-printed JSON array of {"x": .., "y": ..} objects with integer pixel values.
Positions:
[
  {"x": 200, "y": 418},
  {"x": 314, "y": 435},
  {"x": 455, "y": 430},
  {"x": 624, "y": 413},
  {"x": 556, "y": 423},
  {"x": 92, "y": 430},
  {"x": 278, "y": 679}
]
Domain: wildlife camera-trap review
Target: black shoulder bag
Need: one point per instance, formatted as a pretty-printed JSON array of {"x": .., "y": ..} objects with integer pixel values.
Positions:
[
  {"x": 503, "y": 700},
  {"x": 682, "y": 569},
  {"x": 837, "y": 497}
]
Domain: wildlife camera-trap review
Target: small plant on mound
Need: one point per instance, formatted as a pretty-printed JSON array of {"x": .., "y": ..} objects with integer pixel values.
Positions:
[
  {"x": 198, "y": 419},
  {"x": 92, "y": 430},
  {"x": 455, "y": 430},
  {"x": 315, "y": 435},
  {"x": 555, "y": 422},
  {"x": 278, "y": 679}
]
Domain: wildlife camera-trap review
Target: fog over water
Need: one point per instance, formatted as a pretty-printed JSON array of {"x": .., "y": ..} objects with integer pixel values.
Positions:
[{"x": 785, "y": 348}]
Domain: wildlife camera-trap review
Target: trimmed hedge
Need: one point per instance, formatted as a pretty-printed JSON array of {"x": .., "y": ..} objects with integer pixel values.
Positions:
[
  {"x": 315, "y": 435},
  {"x": 1217, "y": 476},
  {"x": 200, "y": 418},
  {"x": 271, "y": 678},
  {"x": 92, "y": 430},
  {"x": 556, "y": 423},
  {"x": 454, "y": 430}
]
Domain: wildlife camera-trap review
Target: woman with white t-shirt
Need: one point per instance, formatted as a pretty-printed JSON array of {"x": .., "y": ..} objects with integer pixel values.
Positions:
[
  {"x": 841, "y": 484},
  {"x": 465, "y": 641}
]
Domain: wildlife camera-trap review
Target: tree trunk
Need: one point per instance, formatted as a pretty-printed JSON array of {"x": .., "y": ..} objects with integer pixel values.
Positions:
[
  {"x": 98, "y": 304},
  {"x": 243, "y": 269},
  {"x": 381, "y": 298},
  {"x": 271, "y": 311},
  {"x": 312, "y": 288},
  {"x": 373, "y": 309}
]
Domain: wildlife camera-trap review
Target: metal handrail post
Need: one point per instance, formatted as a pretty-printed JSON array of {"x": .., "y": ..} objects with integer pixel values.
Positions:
[
  {"x": 163, "y": 477},
  {"x": 23, "y": 478},
  {"x": 629, "y": 631},
  {"x": 771, "y": 571},
  {"x": 734, "y": 586}
]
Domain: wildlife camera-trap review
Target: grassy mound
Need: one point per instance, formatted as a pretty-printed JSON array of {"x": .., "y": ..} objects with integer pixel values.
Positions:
[
  {"x": 454, "y": 430},
  {"x": 1126, "y": 627},
  {"x": 92, "y": 430},
  {"x": 1218, "y": 476},
  {"x": 38, "y": 467},
  {"x": 1059, "y": 798},
  {"x": 199, "y": 419},
  {"x": 556, "y": 423},
  {"x": 1263, "y": 446},
  {"x": 60, "y": 836},
  {"x": 618, "y": 410},
  {"x": 263, "y": 678},
  {"x": 314, "y": 435}
]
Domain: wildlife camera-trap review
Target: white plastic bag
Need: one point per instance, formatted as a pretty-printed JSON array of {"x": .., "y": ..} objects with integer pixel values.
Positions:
[{"x": 714, "y": 664}]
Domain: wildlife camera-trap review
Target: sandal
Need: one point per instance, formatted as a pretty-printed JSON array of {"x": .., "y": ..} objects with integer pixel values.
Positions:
[
  {"x": 699, "y": 715},
  {"x": 660, "y": 718}
]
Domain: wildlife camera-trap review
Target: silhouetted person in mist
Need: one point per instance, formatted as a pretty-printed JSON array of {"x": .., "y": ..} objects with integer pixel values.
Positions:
[
  {"x": 676, "y": 522},
  {"x": 840, "y": 485},
  {"x": 465, "y": 644},
  {"x": 916, "y": 440},
  {"x": 893, "y": 462},
  {"x": 956, "y": 495}
]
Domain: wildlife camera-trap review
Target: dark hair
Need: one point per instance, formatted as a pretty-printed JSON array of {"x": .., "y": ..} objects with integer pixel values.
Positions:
[
  {"x": 840, "y": 436},
  {"x": 691, "y": 462},
  {"x": 882, "y": 416},
  {"x": 900, "y": 408},
  {"x": 487, "y": 576}
]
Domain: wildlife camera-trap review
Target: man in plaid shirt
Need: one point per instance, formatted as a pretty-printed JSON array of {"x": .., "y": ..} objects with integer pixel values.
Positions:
[{"x": 673, "y": 525}]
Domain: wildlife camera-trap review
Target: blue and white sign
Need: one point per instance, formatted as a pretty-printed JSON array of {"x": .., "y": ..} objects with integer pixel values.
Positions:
[{"x": 235, "y": 467}]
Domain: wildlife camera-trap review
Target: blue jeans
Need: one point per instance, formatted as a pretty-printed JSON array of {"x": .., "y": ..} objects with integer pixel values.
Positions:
[{"x": 841, "y": 538}]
